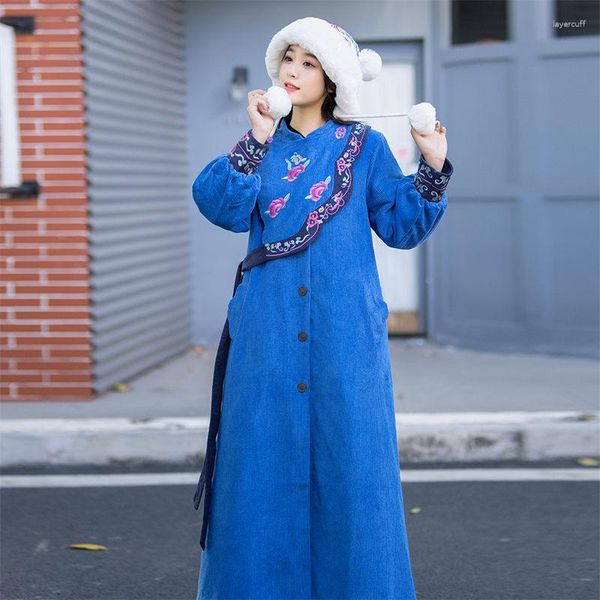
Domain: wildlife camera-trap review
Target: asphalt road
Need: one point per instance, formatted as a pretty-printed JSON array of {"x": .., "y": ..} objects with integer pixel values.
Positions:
[{"x": 526, "y": 540}]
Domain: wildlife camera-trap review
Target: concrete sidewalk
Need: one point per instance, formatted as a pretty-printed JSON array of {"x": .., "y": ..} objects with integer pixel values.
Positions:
[{"x": 451, "y": 405}]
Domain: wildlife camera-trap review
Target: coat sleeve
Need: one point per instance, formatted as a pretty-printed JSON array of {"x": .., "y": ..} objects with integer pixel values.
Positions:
[
  {"x": 403, "y": 209},
  {"x": 226, "y": 189}
]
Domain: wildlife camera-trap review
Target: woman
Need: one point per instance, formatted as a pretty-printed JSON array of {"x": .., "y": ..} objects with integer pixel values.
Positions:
[{"x": 306, "y": 498}]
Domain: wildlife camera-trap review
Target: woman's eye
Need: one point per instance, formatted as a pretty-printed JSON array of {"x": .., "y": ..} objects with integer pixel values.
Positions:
[{"x": 285, "y": 58}]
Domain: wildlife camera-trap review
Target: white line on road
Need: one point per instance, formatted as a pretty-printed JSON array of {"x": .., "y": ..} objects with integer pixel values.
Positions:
[{"x": 407, "y": 476}]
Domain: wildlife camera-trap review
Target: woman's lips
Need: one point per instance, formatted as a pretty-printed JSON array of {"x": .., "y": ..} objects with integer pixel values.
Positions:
[{"x": 291, "y": 88}]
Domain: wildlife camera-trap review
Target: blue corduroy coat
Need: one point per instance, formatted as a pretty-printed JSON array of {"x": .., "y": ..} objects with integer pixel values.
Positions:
[{"x": 306, "y": 494}]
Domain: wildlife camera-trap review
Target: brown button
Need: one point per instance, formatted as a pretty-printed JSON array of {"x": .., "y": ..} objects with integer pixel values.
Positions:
[
  {"x": 301, "y": 387},
  {"x": 302, "y": 336},
  {"x": 302, "y": 290}
]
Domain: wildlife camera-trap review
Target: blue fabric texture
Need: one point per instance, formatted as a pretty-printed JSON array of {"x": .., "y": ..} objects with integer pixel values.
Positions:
[{"x": 306, "y": 494}]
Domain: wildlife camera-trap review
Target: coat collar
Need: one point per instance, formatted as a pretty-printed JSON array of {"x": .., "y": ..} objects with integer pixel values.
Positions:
[{"x": 286, "y": 134}]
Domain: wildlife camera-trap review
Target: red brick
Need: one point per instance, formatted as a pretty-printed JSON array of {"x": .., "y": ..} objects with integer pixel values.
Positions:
[
  {"x": 50, "y": 239},
  {"x": 47, "y": 314},
  {"x": 69, "y": 328},
  {"x": 69, "y": 302},
  {"x": 20, "y": 251},
  {"x": 57, "y": 276},
  {"x": 52, "y": 289},
  {"x": 59, "y": 392},
  {"x": 67, "y": 353},
  {"x": 11, "y": 226},
  {"x": 52, "y": 340},
  {"x": 50, "y": 365},
  {"x": 21, "y": 327},
  {"x": 19, "y": 302},
  {"x": 30, "y": 277},
  {"x": 29, "y": 353}
]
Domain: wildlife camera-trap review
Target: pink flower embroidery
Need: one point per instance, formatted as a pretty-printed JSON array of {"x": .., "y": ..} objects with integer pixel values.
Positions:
[
  {"x": 317, "y": 189},
  {"x": 296, "y": 164},
  {"x": 294, "y": 172},
  {"x": 276, "y": 205},
  {"x": 340, "y": 132}
]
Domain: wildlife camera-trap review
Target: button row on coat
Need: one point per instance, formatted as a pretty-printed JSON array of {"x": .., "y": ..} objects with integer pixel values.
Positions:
[{"x": 302, "y": 337}]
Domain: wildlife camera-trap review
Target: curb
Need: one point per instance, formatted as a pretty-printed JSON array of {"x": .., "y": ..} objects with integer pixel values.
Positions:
[{"x": 422, "y": 437}]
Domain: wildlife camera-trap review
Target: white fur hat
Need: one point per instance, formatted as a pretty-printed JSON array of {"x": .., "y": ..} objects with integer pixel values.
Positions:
[{"x": 338, "y": 53}]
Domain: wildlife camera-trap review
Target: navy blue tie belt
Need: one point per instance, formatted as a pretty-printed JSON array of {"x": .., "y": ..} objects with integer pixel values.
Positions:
[{"x": 341, "y": 192}]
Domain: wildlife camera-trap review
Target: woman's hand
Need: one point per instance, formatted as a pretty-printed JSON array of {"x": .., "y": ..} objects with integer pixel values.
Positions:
[
  {"x": 261, "y": 121},
  {"x": 434, "y": 146}
]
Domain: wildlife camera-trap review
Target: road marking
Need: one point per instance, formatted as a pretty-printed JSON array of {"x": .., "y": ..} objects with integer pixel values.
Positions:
[
  {"x": 512, "y": 474},
  {"x": 407, "y": 476}
]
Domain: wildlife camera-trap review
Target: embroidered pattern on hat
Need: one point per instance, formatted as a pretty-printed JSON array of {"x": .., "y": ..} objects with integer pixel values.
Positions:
[{"x": 349, "y": 39}]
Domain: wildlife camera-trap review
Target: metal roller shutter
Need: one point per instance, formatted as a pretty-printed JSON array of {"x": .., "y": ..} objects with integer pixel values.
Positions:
[{"x": 137, "y": 184}]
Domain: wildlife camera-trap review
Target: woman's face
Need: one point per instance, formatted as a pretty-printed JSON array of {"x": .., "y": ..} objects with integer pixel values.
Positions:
[{"x": 303, "y": 70}]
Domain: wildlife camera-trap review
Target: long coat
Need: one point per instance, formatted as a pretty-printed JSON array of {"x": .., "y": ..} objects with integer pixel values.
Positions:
[{"x": 306, "y": 494}]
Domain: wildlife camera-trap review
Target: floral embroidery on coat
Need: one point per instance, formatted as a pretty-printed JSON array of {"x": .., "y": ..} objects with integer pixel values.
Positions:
[
  {"x": 276, "y": 205},
  {"x": 317, "y": 189},
  {"x": 296, "y": 164},
  {"x": 340, "y": 132},
  {"x": 342, "y": 189}
]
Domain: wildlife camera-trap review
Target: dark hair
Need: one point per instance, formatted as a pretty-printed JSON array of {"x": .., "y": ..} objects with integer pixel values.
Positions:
[{"x": 329, "y": 103}]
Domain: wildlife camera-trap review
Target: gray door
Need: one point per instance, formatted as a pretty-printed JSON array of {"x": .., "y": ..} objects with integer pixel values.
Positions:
[
  {"x": 138, "y": 185},
  {"x": 396, "y": 89}
]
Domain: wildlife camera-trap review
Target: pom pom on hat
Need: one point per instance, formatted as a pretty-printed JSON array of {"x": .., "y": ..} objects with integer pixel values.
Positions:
[{"x": 370, "y": 64}]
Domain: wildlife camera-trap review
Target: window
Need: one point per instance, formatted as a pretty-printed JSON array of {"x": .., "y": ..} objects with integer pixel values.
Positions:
[
  {"x": 576, "y": 17},
  {"x": 478, "y": 22}
]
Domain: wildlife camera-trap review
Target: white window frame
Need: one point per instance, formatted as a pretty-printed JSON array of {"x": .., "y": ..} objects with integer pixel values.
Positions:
[{"x": 10, "y": 143}]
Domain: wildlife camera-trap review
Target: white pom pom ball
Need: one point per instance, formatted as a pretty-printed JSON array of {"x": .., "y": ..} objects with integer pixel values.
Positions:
[
  {"x": 370, "y": 63},
  {"x": 279, "y": 102},
  {"x": 422, "y": 118}
]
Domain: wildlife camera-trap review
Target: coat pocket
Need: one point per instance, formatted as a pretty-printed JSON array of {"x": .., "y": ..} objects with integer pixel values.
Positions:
[
  {"x": 379, "y": 316},
  {"x": 235, "y": 308}
]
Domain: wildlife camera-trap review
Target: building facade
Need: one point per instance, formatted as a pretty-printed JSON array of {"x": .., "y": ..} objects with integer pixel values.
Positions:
[{"x": 107, "y": 268}]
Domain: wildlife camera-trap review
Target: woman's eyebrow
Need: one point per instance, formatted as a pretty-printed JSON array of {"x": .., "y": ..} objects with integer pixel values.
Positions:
[{"x": 307, "y": 53}]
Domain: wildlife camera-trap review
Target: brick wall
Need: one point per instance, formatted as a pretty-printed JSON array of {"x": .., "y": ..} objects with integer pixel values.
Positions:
[{"x": 44, "y": 285}]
